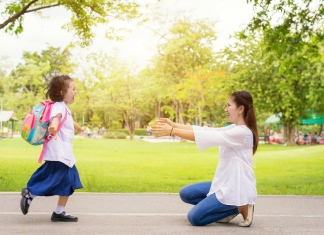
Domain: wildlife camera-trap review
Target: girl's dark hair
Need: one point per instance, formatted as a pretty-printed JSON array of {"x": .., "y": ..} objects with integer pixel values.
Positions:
[
  {"x": 56, "y": 85},
  {"x": 244, "y": 98}
]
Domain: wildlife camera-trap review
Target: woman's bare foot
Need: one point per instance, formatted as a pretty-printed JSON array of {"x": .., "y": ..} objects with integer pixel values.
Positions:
[{"x": 243, "y": 210}]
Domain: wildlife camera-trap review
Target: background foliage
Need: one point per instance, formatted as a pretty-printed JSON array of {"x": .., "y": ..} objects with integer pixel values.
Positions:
[{"x": 278, "y": 58}]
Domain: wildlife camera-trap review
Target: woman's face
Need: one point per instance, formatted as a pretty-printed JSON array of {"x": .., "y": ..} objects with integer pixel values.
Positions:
[{"x": 232, "y": 111}]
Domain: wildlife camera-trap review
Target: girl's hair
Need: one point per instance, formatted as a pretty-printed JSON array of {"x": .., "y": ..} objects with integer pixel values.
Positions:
[
  {"x": 57, "y": 85},
  {"x": 244, "y": 98}
]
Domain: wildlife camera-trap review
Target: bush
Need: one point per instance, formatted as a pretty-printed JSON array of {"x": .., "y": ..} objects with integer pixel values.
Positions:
[
  {"x": 137, "y": 131},
  {"x": 140, "y": 131},
  {"x": 115, "y": 135},
  {"x": 122, "y": 131}
]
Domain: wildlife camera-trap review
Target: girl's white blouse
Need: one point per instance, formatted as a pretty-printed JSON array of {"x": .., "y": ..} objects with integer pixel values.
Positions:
[
  {"x": 60, "y": 149},
  {"x": 234, "y": 181}
]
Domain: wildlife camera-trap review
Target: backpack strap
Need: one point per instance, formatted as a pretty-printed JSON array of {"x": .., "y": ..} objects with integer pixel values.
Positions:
[{"x": 49, "y": 137}]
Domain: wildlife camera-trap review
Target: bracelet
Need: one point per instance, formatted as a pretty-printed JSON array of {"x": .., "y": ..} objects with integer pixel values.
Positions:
[{"x": 171, "y": 131}]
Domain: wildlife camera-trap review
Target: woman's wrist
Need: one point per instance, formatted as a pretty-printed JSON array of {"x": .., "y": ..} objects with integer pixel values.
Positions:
[{"x": 171, "y": 131}]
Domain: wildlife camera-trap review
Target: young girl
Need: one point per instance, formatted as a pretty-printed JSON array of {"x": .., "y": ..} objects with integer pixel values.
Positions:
[
  {"x": 58, "y": 175},
  {"x": 233, "y": 189}
]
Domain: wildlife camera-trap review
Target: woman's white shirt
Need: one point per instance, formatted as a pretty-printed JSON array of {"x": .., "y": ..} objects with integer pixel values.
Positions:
[
  {"x": 60, "y": 149},
  {"x": 234, "y": 181}
]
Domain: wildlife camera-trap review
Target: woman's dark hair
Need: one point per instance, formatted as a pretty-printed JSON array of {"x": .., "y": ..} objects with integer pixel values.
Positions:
[
  {"x": 244, "y": 98},
  {"x": 56, "y": 85}
]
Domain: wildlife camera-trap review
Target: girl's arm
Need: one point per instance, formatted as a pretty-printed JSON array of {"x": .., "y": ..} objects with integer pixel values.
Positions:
[
  {"x": 163, "y": 129},
  {"x": 77, "y": 127},
  {"x": 174, "y": 124},
  {"x": 54, "y": 124}
]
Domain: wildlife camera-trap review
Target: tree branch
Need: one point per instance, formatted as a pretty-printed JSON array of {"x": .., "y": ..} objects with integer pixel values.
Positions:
[
  {"x": 17, "y": 15},
  {"x": 44, "y": 7}
]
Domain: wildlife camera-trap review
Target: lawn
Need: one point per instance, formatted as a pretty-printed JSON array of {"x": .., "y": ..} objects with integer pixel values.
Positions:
[{"x": 138, "y": 166}]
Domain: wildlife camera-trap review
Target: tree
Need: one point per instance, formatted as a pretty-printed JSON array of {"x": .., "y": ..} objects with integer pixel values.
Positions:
[
  {"x": 86, "y": 14},
  {"x": 27, "y": 81},
  {"x": 280, "y": 83},
  {"x": 129, "y": 94},
  {"x": 302, "y": 18},
  {"x": 111, "y": 90},
  {"x": 186, "y": 47},
  {"x": 292, "y": 54},
  {"x": 201, "y": 91}
]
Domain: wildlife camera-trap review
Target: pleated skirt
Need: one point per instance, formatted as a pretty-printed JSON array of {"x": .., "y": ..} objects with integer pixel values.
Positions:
[{"x": 54, "y": 178}]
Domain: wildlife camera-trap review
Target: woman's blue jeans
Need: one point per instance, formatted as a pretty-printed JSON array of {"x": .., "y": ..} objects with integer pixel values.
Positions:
[{"x": 207, "y": 209}]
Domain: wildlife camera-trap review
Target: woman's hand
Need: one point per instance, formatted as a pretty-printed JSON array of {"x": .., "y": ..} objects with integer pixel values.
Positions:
[
  {"x": 164, "y": 120},
  {"x": 161, "y": 129}
]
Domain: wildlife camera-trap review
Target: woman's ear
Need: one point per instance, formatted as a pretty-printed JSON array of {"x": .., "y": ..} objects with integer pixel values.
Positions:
[{"x": 241, "y": 109}]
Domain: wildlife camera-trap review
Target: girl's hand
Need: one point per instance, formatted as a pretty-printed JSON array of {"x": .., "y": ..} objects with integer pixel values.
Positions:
[
  {"x": 161, "y": 129},
  {"x": 53, "y": 131},
  {"x": 164, "y": 120}
]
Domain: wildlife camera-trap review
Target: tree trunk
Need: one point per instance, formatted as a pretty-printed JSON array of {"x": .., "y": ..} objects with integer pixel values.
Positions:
[
  {"x": 320, "y": 130},
  {"x": 289, "y": 133},
  {"x": 129, "y": 123},
  {"x": 158, "y": 109},
  {"x": 180, "y": 113},
  {"x": 200, "y": 116},
  {"x": 175, "y": 103},
  {"x": 131, "y": 128}
]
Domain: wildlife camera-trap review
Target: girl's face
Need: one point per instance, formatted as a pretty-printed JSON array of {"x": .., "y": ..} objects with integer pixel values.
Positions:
[
  {"x": 71, "y": 92},
  {"x": 233, "y": 113}
]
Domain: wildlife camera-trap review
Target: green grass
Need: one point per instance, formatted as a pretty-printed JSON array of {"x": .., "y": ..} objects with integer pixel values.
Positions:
[{"x": 107, "y": 165}]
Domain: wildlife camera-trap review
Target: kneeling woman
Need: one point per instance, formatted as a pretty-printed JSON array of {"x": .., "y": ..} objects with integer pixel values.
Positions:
[{"x": 233, "y": 189}]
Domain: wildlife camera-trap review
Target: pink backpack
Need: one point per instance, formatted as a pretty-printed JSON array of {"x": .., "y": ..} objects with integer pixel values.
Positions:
[{"x": 35, "y": 126}]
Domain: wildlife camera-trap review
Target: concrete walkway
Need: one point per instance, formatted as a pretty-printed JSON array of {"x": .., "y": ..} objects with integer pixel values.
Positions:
[{"x": 156, "y": 214}]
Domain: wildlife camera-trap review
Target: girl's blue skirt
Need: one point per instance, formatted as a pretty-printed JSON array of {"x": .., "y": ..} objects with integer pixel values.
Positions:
[{"x": 54, "y": 178}]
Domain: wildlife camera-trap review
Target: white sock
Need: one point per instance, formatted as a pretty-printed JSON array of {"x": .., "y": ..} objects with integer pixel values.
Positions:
[
  {"x": 32, "y": 196},
  {"x": 59, "y": 209}
]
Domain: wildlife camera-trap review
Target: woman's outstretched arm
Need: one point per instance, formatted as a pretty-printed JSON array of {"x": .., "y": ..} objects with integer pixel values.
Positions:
[
  {"x": 164, "y": 129},
  {"x": 174, "y": 124}
]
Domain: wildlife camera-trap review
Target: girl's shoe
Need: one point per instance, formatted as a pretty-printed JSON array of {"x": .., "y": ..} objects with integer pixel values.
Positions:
[
  {"x": 24, "y": 206},
  {"x": 227, "y": 219},
  {"x": 248, "y": 221},
  {"x": 63, "y": 217}
]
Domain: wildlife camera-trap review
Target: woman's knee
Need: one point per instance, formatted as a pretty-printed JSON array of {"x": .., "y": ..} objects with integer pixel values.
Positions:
[
  {"x": 185, "y": 194},
  {"x": 194, "y": 218}
]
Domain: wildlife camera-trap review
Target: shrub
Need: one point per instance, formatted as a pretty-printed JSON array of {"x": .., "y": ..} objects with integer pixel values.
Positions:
[
  {"x": 122, "y": 131},
  {"x": 115, "y": 135},
  {"x": 140, "y": 131},
  {"x": 137, "y": 131}
]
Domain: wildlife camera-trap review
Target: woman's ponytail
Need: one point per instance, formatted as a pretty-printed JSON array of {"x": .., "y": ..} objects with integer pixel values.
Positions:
[{"x": 244, "y": 98}]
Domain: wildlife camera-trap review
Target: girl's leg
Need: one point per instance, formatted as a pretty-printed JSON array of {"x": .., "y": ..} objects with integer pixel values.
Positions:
[
  {"x": 210, "y": 210},
  {"x": 194, "y": 193},
  {"x": 61, "y": 203},
  {"x": 59, "y": 214},
  {"x": 62, "y": 200}
]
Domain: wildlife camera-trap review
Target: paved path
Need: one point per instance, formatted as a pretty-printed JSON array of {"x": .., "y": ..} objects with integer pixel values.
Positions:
[{"x": 156, "y": 214}]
